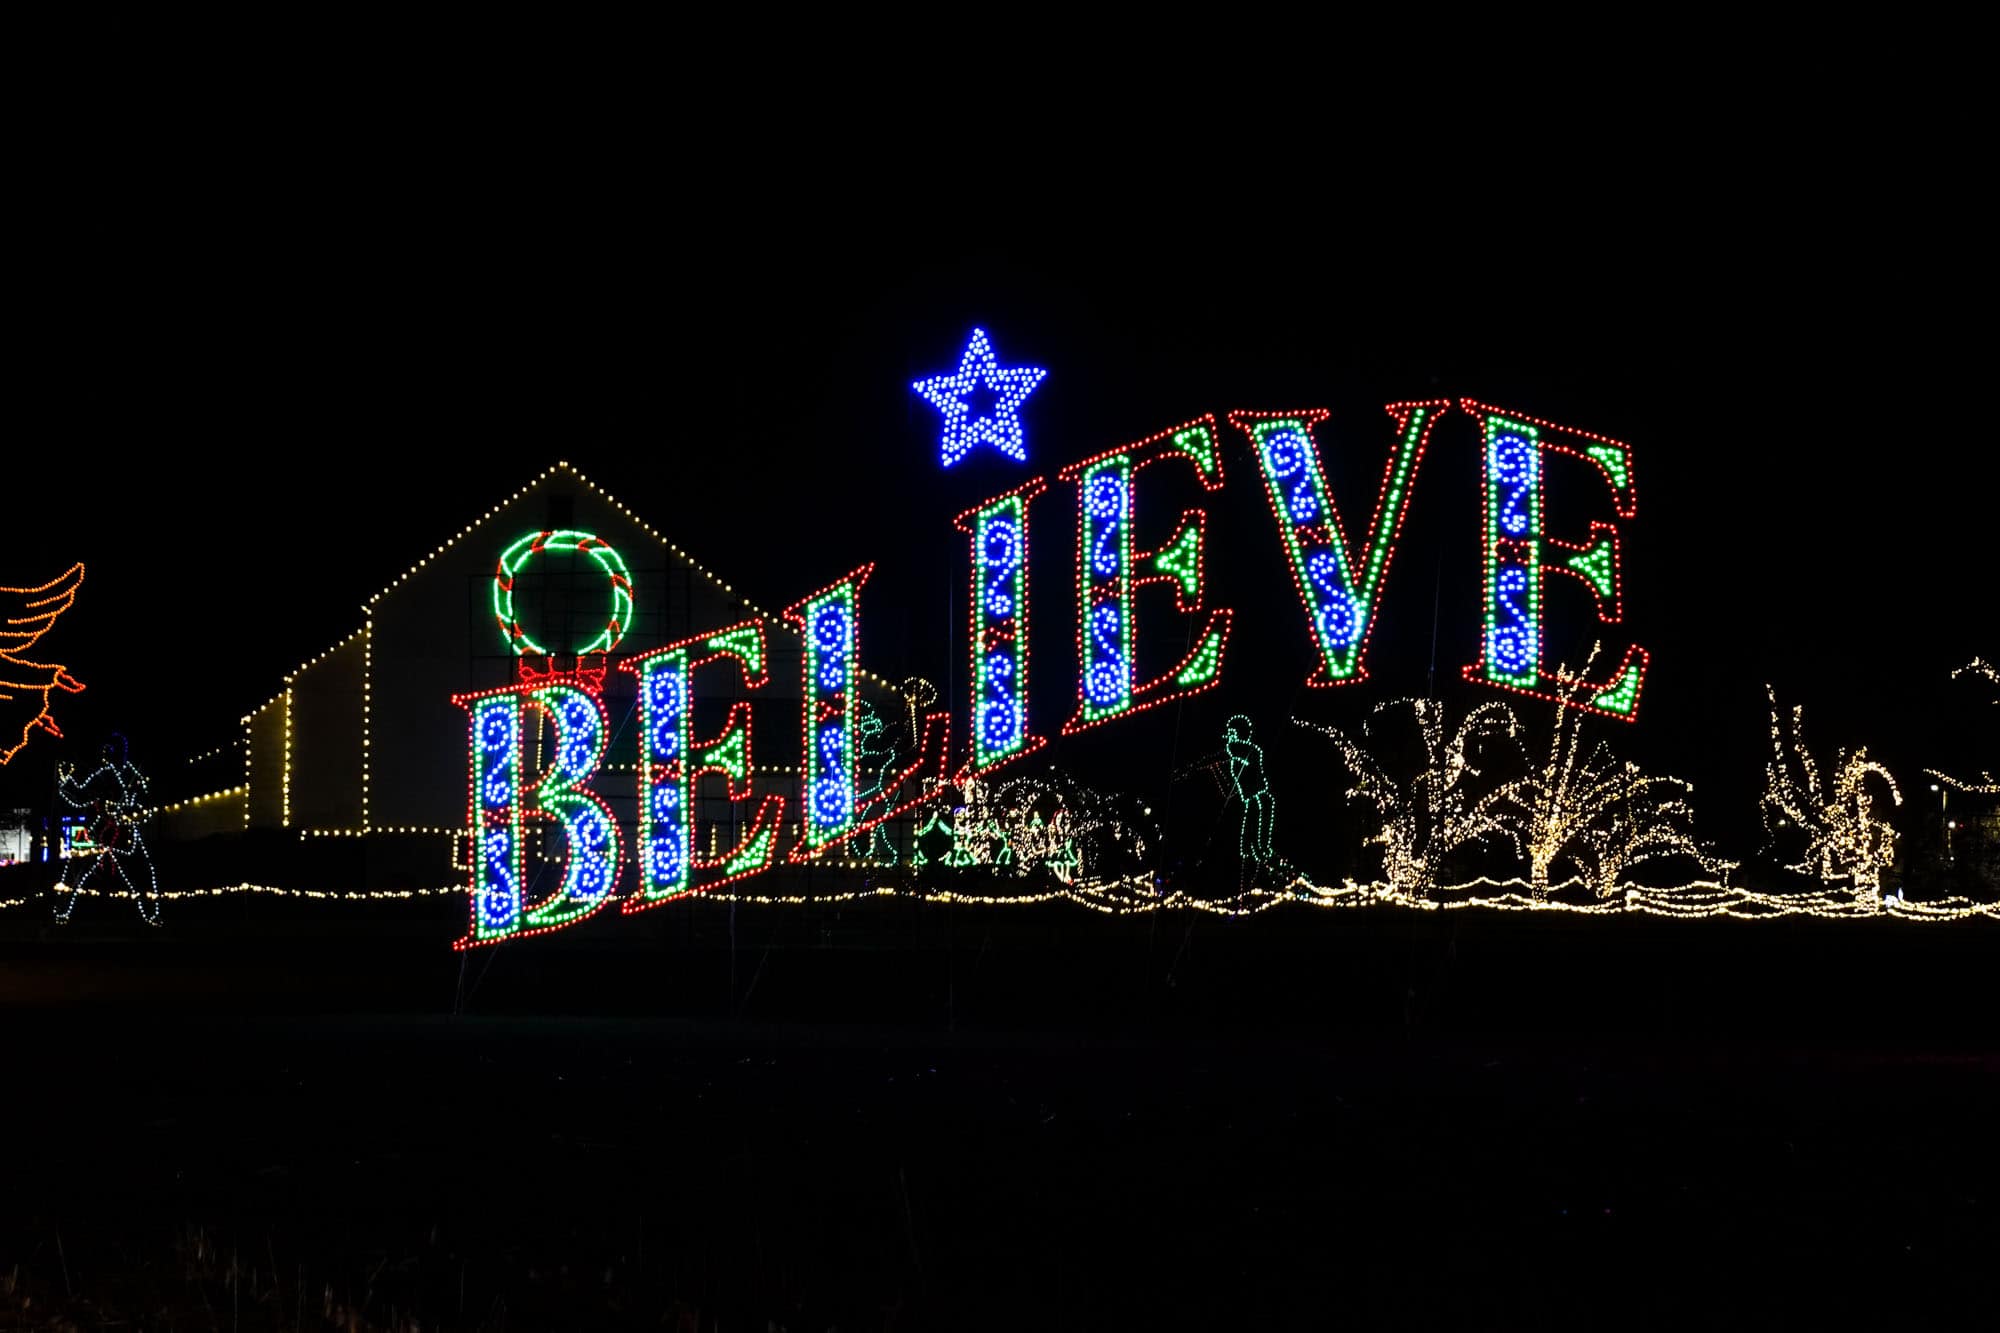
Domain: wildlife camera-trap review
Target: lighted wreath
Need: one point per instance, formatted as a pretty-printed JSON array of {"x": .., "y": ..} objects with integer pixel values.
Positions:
[{"x": 516, "y": 557}]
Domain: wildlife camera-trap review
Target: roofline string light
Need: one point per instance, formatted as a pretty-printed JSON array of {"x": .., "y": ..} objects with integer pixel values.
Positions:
[{"x": 366, "y": 630}]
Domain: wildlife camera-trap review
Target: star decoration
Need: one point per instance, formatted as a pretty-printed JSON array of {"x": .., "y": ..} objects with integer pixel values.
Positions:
[{"x": 979, "y": 378}]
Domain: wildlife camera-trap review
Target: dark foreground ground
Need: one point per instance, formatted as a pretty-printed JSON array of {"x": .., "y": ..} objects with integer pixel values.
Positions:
[{"x": 242, "y": 1122}]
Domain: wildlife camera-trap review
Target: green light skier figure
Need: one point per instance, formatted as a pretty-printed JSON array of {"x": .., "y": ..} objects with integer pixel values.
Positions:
[
  {"x": 872, "y": 753},
  {"x": 1246, "y": 773}
]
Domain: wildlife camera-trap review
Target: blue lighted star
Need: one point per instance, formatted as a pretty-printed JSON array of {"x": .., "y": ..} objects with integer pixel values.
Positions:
[{"x": 977, "y": 380}]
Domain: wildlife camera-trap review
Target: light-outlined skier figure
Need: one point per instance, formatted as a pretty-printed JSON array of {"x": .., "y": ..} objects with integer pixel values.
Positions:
[
  {"x": 113, "y": 800},
  {"x": 1246, "y": 774},
  {"x": 875, "y": 756}
]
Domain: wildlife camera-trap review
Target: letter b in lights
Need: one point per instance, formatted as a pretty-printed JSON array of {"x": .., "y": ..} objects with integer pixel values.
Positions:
[{"x": 503, "y": 804}]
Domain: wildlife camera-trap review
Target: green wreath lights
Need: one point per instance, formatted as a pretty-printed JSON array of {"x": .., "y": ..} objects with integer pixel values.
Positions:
[{"x": 516, "y": 557}]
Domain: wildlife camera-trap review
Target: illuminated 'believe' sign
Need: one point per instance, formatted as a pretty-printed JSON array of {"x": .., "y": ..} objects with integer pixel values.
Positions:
[{"x": 1339, "y": 585}]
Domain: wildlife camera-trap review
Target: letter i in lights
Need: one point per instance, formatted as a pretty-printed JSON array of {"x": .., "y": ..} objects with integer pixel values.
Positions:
[
  {"x": 1518, "y": 552},
  {"x": 999, "y": 627},
  {"x": 1339, "y": 600},
  {"x": 829, "y": 622},
  {"x": 502, "y": 804},
  {"x": 671, "y": 760},
  {"x": 1110, "y": 569}
]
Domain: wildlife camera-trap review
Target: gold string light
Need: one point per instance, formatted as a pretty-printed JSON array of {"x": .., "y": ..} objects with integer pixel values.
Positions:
[
  {"x": 285, "y": 812},
  {"x": 193, "y": 801},
  {"x": 263, "y": 890},
  {"x": 367, "y": 704},
  {"x": 217, "y": 752},
  {"x": 386, "y": 828},
  {"x": 1140, "y": 893}
]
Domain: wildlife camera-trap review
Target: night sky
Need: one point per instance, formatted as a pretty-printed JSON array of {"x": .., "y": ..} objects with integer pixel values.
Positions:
[
  {"x": 249, "y": 408},
  {"x": 291, "y": 308}
]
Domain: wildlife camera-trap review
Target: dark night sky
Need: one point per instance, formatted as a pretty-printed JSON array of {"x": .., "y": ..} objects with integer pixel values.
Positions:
[{"x": 251, "y": 401}]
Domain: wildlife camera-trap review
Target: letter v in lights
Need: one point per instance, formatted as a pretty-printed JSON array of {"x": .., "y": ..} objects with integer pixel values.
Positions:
[{"x": 1339, "y": 598}]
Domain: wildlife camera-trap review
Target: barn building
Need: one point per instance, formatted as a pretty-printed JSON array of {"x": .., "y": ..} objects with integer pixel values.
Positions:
[{"x": 364, "y": 740}]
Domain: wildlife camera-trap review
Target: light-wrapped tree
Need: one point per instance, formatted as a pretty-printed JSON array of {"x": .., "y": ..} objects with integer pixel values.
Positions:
[
  {"x": 1435, "y": 810},
  {"x": 1600, "y": 815},
  {"x": 1845, "y": 840}
]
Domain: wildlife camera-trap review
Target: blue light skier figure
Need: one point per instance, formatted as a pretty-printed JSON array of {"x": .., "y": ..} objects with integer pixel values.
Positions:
[
  {"x": 114, "y": 798},
  {"x": 1246, "y": 774}
]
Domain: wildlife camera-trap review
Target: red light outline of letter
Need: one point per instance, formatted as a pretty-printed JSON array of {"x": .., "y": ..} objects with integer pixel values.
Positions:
[
  {"x": 695, "y": 758},
  {"x": 1602, "y": 452},
  {"x": 1399, "y": 479},
  {"x": 982, "y": 638},
  {"x": 1201, "y": 668}
]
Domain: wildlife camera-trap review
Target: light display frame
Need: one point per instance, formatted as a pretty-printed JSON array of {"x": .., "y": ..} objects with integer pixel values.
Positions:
[
  {"x": 998, "y": 628},
  {"x": 1514, "y": 561},
  {"x": 499, "y": 850},
  {"x": 672, "y": 762},
  {"x": 1108, "y": 576},
  {"x": 830, "y": 635},
  {"x": 1308, "y": 519},
  {"x": 516, "y": 557},
  {"x": 1179, "y": 562},
  {"x": 501, "y": 803}
]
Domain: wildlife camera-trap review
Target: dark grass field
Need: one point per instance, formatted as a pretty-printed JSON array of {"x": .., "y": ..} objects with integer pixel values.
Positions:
[{"x": 905, "y": 1119}]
